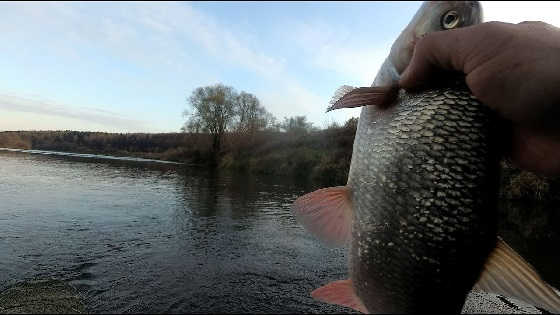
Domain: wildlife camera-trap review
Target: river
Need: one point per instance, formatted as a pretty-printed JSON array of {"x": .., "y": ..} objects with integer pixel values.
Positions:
[
  {"x": 142, "y": 236},
  {"x": 152, "y": 237}
]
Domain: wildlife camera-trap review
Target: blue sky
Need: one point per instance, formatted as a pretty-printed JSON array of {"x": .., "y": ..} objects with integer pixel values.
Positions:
[{"x": 128, "y": 67}]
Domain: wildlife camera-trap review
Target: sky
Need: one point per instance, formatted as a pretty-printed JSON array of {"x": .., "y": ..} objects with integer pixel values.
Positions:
[{"x": 130, "y": 66}]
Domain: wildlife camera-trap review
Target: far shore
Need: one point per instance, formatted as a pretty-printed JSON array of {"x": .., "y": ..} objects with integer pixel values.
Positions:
[{"x": 320, "y": 155}]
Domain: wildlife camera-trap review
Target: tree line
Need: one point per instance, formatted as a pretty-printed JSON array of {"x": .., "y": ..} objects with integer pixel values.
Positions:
[{"x": 218, "y": 109}]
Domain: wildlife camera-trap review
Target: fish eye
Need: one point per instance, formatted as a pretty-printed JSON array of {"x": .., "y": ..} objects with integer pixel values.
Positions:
[{"x": 450, "y": 20}]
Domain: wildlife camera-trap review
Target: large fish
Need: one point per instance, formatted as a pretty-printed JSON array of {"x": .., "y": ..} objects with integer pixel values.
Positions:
[{"x": 419, "y": 207}]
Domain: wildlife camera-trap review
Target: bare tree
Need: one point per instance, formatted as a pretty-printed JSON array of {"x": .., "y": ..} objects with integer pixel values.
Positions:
[
  {"x": 212, "y": 110},
  {"x": 297, "y": 125},
  {"x": 271, "y": 122},
  {"x": 251, "y": 115}
]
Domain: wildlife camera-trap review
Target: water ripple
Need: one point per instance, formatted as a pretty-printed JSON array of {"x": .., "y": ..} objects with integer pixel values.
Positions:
[{"x": 153, "y": 237}]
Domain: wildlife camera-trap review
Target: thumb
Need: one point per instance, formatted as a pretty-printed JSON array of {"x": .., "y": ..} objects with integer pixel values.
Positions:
[
  {"x": 420, "y": 68},
  {"x": 433, "y": 53}
]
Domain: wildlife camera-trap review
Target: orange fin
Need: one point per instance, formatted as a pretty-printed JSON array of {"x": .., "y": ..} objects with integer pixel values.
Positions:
[
  {"x": 348, "y": 96},
  {"x": 326, "y": 213},
  {"x": 340, "y": 292},
  {"x": 507, "y": 273}
]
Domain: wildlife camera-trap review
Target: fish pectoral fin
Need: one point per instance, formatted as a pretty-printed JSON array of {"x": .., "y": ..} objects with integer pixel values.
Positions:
[
  {"x": 340, "y": 292},
  {"x": 348, "y": 96},
  {"x": 326, "y": 213},
  {"x": 507, "y": 273}
]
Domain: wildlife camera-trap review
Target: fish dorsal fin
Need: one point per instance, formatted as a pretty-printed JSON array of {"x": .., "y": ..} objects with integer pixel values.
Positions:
[
  {"x": 339, "y": 94},
  {"x": 507, "y": 273},
  {"x": 340, "y": 292},
  {"x": 348, "y": 96},
  {"x": 326, "y": 213}
]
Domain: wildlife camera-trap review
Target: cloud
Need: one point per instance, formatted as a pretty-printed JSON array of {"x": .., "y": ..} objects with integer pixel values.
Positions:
[
  {"x": 323, "y": 46},
  {"x": 114, "y": 29},
  {"x": 86, "y": 115},
  {"x": 169, "y": 35},
  {"x": 340, "y": 50},
  {"x": 150, "y": 35},
  {"x": 176, "y": 21},
  {"x": 283, "y": 95}
]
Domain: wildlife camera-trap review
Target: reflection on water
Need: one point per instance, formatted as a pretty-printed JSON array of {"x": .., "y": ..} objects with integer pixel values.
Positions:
[
  {"x": 89, "y": 156},
  {"x": 153, "y": 237},
  {"x": 137, "y": 237}
]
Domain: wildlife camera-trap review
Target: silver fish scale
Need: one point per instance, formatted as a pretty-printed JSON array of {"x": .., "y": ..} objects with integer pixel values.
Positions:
[{"x": 424, "y": 182}]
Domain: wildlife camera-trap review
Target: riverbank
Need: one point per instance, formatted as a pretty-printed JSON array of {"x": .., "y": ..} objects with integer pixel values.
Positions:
[
  {"x": 321, "y": 155},
  {"x": 41, "y": 297},
  {"x": 58, "y": 297}
]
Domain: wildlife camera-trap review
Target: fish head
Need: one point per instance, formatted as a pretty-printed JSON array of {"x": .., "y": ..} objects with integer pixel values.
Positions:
[{"x": 432, "y": 16}]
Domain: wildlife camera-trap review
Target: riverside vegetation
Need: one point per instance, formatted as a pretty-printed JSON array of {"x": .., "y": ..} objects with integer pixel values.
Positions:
[
  {"x": 320, "y": 155},
  {"x": 233, "y": 131}
]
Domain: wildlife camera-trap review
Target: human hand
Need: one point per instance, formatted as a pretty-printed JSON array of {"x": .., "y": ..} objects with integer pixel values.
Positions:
[{"x": 512, "y": 68}]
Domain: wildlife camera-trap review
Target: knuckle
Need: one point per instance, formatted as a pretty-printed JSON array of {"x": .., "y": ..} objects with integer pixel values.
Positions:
[
  {"x": 496, "y": 26},
  {"x": 421, "y": 48},
  {"x": 536, "y": 23},
  {"x": 422, "y": 43},
  {"x": 428, "y": 41}
]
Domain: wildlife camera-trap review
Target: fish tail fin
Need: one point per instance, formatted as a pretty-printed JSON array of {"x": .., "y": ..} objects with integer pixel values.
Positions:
[{"x": 507, "y": 273}]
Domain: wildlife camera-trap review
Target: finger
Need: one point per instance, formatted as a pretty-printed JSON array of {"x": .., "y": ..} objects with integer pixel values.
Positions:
[
  {"x": 433, "y": 53},
  {"x": 461, "y": 50}
]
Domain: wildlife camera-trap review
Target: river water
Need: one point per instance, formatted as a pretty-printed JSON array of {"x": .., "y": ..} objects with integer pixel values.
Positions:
[
  {"x": 153, "y": 237},
  {"x": 142, "y": 236}
]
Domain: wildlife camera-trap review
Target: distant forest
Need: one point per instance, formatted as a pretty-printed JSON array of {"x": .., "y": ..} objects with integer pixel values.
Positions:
[
  {"x": 233, "y": 131},
  {"x": 319, "y": 154}
]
